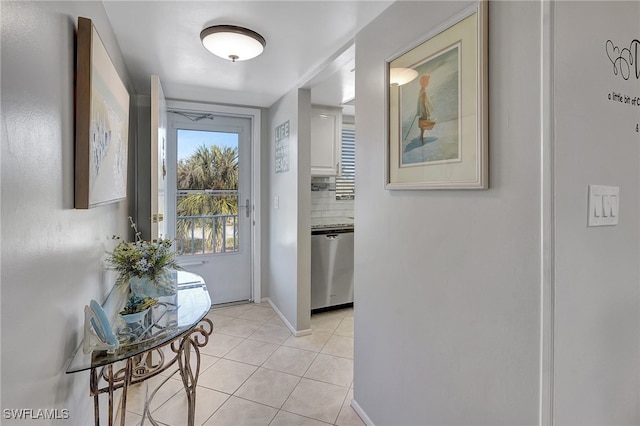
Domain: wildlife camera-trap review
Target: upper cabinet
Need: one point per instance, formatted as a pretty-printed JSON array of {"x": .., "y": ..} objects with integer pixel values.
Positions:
[{"x": 326, "y": 128}]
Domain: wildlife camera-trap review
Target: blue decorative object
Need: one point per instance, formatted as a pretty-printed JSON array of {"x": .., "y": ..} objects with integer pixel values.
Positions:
[
  {"x": 97, "y": 330},
  {"x": 136, "y": 308}
]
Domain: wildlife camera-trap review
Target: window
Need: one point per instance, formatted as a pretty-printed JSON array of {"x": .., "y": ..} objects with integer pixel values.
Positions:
[{"x": 345, "y": 183}]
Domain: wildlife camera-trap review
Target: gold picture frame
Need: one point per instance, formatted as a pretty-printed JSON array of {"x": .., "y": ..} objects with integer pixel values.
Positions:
[
  {"x": 438, "y": 108},
  {"x": 102, "y": 123}
]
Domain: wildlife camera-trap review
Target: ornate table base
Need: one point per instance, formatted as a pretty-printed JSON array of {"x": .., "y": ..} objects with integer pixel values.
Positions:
[{"x": 142, "y": 367}]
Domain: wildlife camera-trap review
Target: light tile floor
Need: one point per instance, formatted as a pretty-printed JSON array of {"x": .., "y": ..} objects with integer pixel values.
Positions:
[{"x": 254, "y": 372}]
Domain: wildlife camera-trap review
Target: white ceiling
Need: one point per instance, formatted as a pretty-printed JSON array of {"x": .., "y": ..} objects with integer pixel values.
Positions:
[{"x": 308, "y": 45}]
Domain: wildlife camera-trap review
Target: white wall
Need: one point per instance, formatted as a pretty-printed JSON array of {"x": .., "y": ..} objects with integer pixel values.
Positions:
[
  {"x": 447, "y": 283},
  {"x": 289, "y": 258},
  {"x": 51, "y": 254},
  {"x": 597, "y": 302}
]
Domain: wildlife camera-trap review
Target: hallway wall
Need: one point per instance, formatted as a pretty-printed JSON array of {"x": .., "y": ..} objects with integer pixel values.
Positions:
[
  {"x": 597, "y": 280},
  {"x": 447, "y": 283},
  {"x": 51, "y": 254},
  {"x": 448, "y": 314},
  {"x": 288, "y": 212}
]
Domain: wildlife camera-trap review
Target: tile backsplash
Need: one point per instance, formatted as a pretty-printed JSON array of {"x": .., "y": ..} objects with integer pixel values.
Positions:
[{"x": 325, "y": 209}]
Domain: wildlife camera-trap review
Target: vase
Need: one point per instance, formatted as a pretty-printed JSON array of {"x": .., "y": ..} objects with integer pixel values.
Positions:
[{"x": 164, "y": 284}]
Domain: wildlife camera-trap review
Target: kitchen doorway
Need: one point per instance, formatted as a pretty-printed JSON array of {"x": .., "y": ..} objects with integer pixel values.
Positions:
[{"x": 333, "y": 183}]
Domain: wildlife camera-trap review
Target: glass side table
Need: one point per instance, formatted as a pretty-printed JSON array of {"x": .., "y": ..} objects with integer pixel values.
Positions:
[{"x": 170, "y": 334}]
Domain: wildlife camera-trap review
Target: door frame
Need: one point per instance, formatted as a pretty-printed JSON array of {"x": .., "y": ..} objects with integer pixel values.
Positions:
[
  {"x": 254, "y": 114},
  {"x": 547, "y": 217}
]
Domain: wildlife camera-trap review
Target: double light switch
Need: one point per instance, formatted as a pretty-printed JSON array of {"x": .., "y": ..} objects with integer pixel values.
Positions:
[{"x": 603, "y": 205}]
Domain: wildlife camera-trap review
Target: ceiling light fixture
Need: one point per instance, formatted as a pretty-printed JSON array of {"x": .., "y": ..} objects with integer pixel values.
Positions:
[
  {"x": 401, "y": 76},
  {"x": 232, "y": 42}
]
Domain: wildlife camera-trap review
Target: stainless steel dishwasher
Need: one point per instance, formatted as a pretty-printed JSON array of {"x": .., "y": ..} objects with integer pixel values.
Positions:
[{"x": 331, "y": 266}]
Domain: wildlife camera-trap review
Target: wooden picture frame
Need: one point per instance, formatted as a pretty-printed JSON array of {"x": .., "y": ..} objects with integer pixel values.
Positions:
[
  {"x": 437, "y": 120},
  {"x": 102, "y": 123}
]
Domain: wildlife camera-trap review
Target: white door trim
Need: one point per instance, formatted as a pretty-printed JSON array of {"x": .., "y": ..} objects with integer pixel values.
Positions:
[
  {"x": 254, "y": 114},
  {"x": 547, "y": 216}
]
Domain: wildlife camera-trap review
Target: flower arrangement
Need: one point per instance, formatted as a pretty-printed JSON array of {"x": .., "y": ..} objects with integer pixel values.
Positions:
[{"x": 142, "y": 259}]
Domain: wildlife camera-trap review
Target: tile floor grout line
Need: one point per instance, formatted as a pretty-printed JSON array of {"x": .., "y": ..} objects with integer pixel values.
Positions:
[
  {"x": 328, "y": 383},
  {"x": 214, "y": 411},
  {"x": 310, "y": 364},
  {"x": 335, "y": 422},
  {"x": 289, "y": 396},
  {"x": 257, "y": 402},
  {"x": 301, "y": 415},
  {"x": 212, "y": 364}
]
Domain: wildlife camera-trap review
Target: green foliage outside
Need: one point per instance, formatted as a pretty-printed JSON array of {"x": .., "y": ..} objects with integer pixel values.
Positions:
[{"x": 213, "y": 168}]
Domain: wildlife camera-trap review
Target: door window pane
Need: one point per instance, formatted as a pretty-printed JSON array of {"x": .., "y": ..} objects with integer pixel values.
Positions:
[{"x": 207, "y": 196}]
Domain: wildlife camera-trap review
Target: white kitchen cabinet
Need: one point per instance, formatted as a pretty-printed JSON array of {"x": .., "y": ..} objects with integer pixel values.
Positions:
[{"x": 326, "y": 128}]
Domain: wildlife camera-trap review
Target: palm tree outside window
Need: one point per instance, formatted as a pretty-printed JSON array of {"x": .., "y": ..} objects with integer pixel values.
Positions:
[{"x": 207, "y": 202}]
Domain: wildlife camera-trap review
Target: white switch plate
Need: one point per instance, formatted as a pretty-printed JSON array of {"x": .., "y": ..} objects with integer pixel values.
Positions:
[
  {"x": 603, "y": 205},
  {"x": 276, "y": 202}
]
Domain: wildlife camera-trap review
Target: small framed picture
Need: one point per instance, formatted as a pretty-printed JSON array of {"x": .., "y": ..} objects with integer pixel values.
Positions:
[{"x": 437, "y": 109}]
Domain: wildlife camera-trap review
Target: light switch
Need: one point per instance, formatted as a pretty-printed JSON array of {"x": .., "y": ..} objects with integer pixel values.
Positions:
[
  {"x": 603, "y": 205},
  {"x": 596, "y": 205},
  {"x": 606, "y": 205},
  {"x": 614, "y": 206},
  {"x": 276, "y": 202}
]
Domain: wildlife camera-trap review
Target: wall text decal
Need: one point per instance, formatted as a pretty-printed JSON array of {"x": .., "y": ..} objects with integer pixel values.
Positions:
[
  {"x": 282, "y": 147},
  {"x": 625, "y": 64},
  {"x": 625, "y": 60}
]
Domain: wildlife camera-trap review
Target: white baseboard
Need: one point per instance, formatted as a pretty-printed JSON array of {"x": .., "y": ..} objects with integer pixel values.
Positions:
[
  {"x": 360, "y": 412},
  {"x": 286, "y": 321}
]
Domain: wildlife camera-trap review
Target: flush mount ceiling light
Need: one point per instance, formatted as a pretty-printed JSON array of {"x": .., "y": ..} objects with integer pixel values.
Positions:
[
  {"x": 402, "y": 76},
  {"x": 232, "y": 43}
]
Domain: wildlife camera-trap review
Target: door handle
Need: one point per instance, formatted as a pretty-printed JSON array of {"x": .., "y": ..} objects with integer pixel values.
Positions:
[{"x": 247, "y": 208}]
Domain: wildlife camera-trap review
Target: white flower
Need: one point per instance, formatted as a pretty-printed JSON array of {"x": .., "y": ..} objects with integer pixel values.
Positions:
[{"x": 142, "y": 265}]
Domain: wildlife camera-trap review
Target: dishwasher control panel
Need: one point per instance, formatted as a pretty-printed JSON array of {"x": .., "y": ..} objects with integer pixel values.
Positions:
[{"x": 328, "y": 229}]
